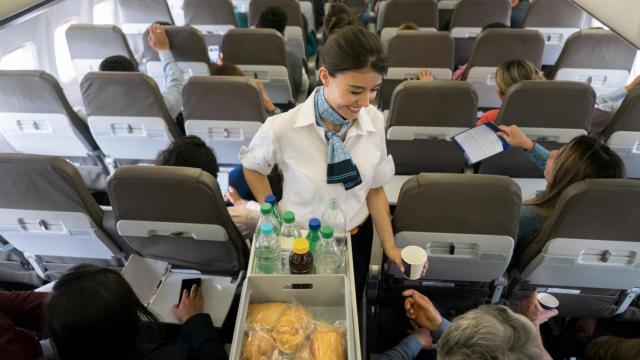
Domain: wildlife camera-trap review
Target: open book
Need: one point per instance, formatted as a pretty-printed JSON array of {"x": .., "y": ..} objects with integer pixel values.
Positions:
[{"x": 480, "y": 142}]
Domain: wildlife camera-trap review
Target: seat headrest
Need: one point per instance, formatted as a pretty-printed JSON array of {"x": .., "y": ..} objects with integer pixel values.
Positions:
[
  {"x": 459, "y": 203},
  {"x": 88, "y": 41},
  {"x": 494, "y": 46},
  {"x": 209, "y": 12},
  {"x": 548, "y": 104},
  {"x": 222, "y": 98},
  {"x": 144, "y": 11},
  {"x": 554, "y": 13},
  {"x": 254, "y": 47},
  {"x": 478, "y": 13},
  {"x": 44, "y": 183},
  {"x": 402, "y": 49},
  {"x": 449, "y": 103},
  {"x": 423, "y": 13},
  {"x": 33, "y": 91},
  {"x": 187, "y": 45},
  {"x": 596, "y": 49}
]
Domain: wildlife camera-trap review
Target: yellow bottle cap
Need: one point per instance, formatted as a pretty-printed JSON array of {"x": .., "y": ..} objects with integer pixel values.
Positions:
[{"x": 300, "y": 246}]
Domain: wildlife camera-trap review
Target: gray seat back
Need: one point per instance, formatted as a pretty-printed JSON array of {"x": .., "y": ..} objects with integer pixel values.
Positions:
[
  {"x": 36, "y": 118},
  {"x": 224, "y": 111},
  {"x": 467, "y": 224},
  {"x": 595, "y": 56},
  {"x": 623, "y": 133},
  {"x": 550, "y": 112},
  {"x": 47, "y": 211},
  {"x": 410, "y": 52},
  {"x": 90, "y": 44},
  {"x": 423, "y": 13},
  {"x": 127, "y": 114},
  {"x": 588, "y": 245},
  {"x": 213, "y": 18},
  {"x": 493, "y": 47},
  {"x": 419, "y": 140},
  {"x": 469, "y": 17},
  {"x": 177, "y": 215},
  {"x": 137, "y": 15}
]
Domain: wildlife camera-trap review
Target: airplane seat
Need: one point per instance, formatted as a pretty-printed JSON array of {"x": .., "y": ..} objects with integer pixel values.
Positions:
[
  {"x": 549, "y": 112},
  {"x": 48, "y": 214},
  {"x": 261, "y": 54},
  {"x": 127, "y": 115},
  {"x": 295, "y": 32},
  {"x": 189, "y": 50},
  {"x": 424, "y": 115},
  {"x": 423, "y": 13},
  {"x": 36, "y": 118},
  {"x": 597, "y": 57},
  {"x": 137, "y": 15},
  {"x": 306, "y": 8},
  {"x": 225, "y": 112},
  {"x": 411, "y": 51},
  {"x": 213, "y": 18},
  {"x": 586, "y": 254},
  {"x": 177, "y": 215},
  {"x": 493, "y": 47},
  {"x": 467, "y": 224},
  {"x": 469, "y": 17},
  {"x": 89, "y": 45},
  {"x": 623, "y": 133},
  {"x": 556, "y": 20}
]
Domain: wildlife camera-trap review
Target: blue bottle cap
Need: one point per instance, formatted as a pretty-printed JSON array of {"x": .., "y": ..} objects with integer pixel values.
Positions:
[
  {"x": 266, "y": 228},
  {"x": 271, "y": 200},
  {"x": 314, "y": 224}
]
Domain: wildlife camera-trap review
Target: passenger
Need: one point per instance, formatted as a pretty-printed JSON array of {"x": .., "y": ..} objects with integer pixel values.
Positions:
[
  {"x": 333, "y": 146},
  {"x": 93, "y": 313},
  {"x": 21, "y": 325},
  {"x": 582, "y": 158},
  {"x": 191, "y": 151},
  {"x": 173, "y": 78},
  {"x": 488, "y": 332},
  {"x": 228, "y": 69},
  {"x": 518, "y": 13},
  {"x": 273, "y": 17},
  {"x": 408, "y": 26},
  {"x": 606, "y": 106}
]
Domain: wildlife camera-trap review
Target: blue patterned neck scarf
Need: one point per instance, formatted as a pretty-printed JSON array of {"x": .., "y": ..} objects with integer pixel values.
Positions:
[{"x": 340, "y": 166}]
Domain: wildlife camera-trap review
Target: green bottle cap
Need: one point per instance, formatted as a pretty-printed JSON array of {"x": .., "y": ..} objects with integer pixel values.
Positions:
[
  {"x": 266, "y": 209},
  {"x": 326, "y": 232},
  {"x": 288, "y": 217}
]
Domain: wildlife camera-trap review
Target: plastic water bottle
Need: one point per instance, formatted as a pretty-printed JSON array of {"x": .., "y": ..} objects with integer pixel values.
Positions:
[
  {"x": 334, "y": 216},
  {"x": 313, "y": 236},
  {"x": 288, "y": 233},
  {"x": 266, "y": 216},
  {"x": 276, "y": 212},
  {"x": 267, "y": 251},
  {"x": 328, "y": 258}
]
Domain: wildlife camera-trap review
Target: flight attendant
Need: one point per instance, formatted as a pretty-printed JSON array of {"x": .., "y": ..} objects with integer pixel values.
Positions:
[{"x": 333, "y": 146}]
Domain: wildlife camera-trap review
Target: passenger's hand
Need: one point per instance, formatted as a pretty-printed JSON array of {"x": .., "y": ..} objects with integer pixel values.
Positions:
[
  {"x": 157, "y": 38},
  {"x": 421, "y": 310},
  {"x": 266, "y": 101},
  {"x": 425, "y": 75},
  {"x": 634, "y": 84},
  {"x": 235, "y": 198},
  {"x": 533, "y": 311},
  {"x": 191, "y": 304},
  {"x": 423, "y": 335},
  {"x": 515, "y": 137},
  {"x": 245, "y": 219}
]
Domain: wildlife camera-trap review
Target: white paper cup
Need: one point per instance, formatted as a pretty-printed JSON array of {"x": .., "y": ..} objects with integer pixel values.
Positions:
[
  {"x": 548, "y": 301},
  {"x": 413, "y": 259}
]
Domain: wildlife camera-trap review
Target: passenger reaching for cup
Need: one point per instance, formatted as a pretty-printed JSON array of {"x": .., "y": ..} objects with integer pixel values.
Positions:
[
  {"x": 333, "y": 146},
  {"x": 582, "y": 158}
]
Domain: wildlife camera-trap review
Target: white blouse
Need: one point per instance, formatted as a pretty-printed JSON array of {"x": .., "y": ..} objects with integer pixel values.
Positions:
[{"x": 294, "y": 142}]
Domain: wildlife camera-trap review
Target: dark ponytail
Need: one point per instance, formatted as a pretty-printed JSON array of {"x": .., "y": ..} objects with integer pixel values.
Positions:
[{"x": 352, "y": 47}]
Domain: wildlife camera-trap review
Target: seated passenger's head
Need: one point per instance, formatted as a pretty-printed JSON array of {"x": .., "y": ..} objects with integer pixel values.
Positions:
[
  {"x": 495, "y": 25},
  {"x": 490, "y": 332},
  {"x": 408, "y": 26},
  {"x": 512, "y": 72},
  {"x": 94, "y": 314},
  {"x": 582, "y": 158},
  {"x": 189, "y": 151},
  {"x": 352, "y": 68},
  {"x": 273, "y": 17},
  {"x": 118, "y": 63},
  {"x": 225, "y": 69}
]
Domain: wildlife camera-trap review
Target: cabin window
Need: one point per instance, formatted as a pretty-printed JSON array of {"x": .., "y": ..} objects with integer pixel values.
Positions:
[
  {"x": 23, "y": 58},
  {"x": 63, "y": 57},
  {"x": 104, "y": 13}
]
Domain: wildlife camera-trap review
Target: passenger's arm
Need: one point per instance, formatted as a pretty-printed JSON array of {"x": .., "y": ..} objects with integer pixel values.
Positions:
[
  {"x": 173, "y": 78},
  {"x": 516, "y": 138},
  {"x": 421, "y": 310},
  {"x": 407, "y": 349},
  {"x": 24, "y": 308}
]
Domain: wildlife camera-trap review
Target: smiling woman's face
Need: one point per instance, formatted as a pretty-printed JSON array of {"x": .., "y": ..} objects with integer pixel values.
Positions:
[{"x": 350, "y": 91}]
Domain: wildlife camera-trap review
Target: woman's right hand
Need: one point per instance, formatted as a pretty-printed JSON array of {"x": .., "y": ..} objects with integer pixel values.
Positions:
[
  {"x": 191, "y": 304},
  {"x": 515, "y": 137}
]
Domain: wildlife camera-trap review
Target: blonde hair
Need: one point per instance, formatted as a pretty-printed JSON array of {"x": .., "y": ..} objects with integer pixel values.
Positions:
[
  {"x": 490, "y": 332},
  {"x": 582, "y": 158},
  {"x": 512, "y": 72},
  {"x": 408, "y": 26}
]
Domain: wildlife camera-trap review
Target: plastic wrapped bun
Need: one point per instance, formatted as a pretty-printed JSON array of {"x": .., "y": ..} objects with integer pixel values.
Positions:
[
  {"x": 259, "y": 346},
  {"x": 292, "y": 329},
  {"x": 327, "y": 344},
  {"x": 265, "y": 314}
]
